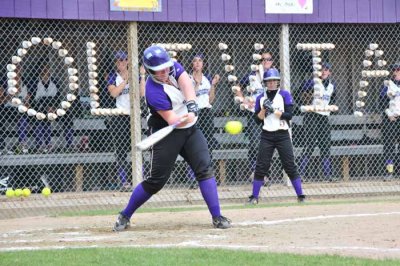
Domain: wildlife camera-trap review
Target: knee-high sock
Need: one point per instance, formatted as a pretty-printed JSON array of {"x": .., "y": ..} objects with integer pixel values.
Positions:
[
  {"x": 138, "y": 198},
  {"x": 297, "y": 186},
  {"x": 303, "y": 165},
  {"x": 209, "y": 191},
  {"x": 327, "y": 167},
  {"x": 122, "y": 174},
  {"x": 69, "y": 136},
  {"x": 22, "y": 130},
  {"x": 47, "y": 129},
  {"x": 39, "y": 134},
  {"x": 257, "y": 184}
]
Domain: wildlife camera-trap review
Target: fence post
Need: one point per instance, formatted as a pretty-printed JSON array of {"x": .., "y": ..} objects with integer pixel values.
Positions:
[
  {"x": 134, "y": 93},
  {"x": 284, "y": 56}
]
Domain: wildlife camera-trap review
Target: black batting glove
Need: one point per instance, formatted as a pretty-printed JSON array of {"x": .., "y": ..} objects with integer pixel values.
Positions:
[
  {"x": 192, "y": 107},
  {"x": 267, "y": 105}
]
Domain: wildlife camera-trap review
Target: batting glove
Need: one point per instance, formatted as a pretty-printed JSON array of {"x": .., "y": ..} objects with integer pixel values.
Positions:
[{"x": 267, "y": 105}]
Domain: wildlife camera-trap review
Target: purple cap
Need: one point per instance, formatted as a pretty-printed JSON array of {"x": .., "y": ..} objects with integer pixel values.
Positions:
[
  {"x": 326, "y": 65},
  {"x": 201, "y": 56},
  {"x": 121, "y": 55}
]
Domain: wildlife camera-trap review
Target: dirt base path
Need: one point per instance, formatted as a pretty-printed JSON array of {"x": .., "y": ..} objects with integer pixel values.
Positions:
[{"x": 370, "y": 230}]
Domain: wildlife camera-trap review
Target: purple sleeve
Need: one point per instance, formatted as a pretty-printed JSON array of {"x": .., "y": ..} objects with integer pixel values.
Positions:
[
  {"x": 383, "y": 93},
  {"x": 287, "y": 97},
  {"x": 156, "y": 98},
  {"x": 112, "y": 78},
  {"x": 308, "y": 85},
  {"x": 257, "y": 107},
  {"x": 179, "y": 69}
]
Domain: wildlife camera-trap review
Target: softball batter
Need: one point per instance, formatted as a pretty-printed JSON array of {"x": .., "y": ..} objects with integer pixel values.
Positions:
[{"x": 170, "y": 97}]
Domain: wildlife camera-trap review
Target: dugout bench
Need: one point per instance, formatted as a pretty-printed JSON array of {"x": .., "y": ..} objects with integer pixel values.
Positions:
[{"x": 346, "y": 130}]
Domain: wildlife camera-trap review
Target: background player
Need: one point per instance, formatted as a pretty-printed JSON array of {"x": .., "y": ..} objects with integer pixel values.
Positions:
[
  {"x": 274, "y": 109},
  {"x": 316, "y": 124}
]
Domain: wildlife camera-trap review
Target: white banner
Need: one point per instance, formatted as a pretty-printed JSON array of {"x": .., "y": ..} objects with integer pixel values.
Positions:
[{"x": 288, "y": 6}]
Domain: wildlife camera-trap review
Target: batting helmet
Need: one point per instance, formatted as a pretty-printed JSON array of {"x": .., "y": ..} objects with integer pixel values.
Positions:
[
  {"x": 155, "y": 58},
  {"x": 272, "y": 74}
]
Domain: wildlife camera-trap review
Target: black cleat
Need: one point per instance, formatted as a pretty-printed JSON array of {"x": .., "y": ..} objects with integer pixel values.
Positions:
[
  {"x": 122, "y": 223},
  {"x": 301, "y": 198},
  {"x": 221, "y": 222},
  {"x": 252, "y": 200}
]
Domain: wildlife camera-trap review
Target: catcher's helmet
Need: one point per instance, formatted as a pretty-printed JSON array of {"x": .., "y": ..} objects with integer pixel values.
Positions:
[
  {"x": 271, "y": 74},
  {"x": 155, "y": 58}
]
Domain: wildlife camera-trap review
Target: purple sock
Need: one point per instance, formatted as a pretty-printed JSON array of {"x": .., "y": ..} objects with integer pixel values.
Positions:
[
  {"x": 39, "y": 134},
  {"x": 47, "y": 130},
  {"x": 138, "y": 197},
  {"x": 303, "y": 165},
  {"x": 69, "y": 136},
  {"x": 327, "y": 167},
  {"x": 122, "y": 174},
  {"x": 209, "y": 191},
  {"x": 257, "y": 184},
  {"x": 22, "y": 129},
  {"x": 297, "y": 186}
]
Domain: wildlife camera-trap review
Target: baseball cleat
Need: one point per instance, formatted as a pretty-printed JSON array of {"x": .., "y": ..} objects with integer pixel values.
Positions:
[
  {"x": 221, "y": 222},
  {"x": 301, "y": 198},
  {"x": 252, "y": 200},
  {"x": 122, "y": 223}
]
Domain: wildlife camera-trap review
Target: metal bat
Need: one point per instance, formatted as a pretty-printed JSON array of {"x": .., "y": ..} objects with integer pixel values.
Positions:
[{"x": 157, "y": 136}]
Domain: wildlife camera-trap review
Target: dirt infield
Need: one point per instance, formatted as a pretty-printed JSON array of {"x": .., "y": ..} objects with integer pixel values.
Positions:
[{"x": 366, "y": 229}]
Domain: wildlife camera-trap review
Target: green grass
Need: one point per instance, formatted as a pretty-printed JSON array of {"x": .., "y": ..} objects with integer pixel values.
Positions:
[
  {"x": 179, "y": 256},
  {"x": 229, "y": 207}
]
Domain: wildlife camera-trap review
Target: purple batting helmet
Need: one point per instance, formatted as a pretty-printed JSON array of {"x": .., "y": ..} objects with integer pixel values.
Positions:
[
  {"x": 155, "y": 58},
  {"x": 271, "y": 74}
]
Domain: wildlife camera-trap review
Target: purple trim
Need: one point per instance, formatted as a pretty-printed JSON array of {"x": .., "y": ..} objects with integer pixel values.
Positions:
[
  {"x": 22, "y": 8},
  {"x": 217, "y": 11},
  {"x": 174, "y": 10},
  {"x": 245, "y": 11},
  {"x": 363, "y": 11},
  {"x": 39, "y": 9},
  {"x": 376, "y": 11},
  {"x": 203, "y": 10},
  {"x": 338, "y": 11},
  {"x": 86, "y": 9},
  {"x": 188, "y": 11},
  {"x": 70, "y": 9},
  {"x": 101, "y": 10},
  {"x": 350, "y": 11}
]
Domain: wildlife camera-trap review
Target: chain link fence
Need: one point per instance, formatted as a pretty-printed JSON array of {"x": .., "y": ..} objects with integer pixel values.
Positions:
[{"x": 84, "y": 156}]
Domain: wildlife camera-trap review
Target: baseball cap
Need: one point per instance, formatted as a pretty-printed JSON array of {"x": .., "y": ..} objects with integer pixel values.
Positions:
[
  {"x": 326, "y": 65},
  {"x": 199, "y": 55},
  {"x": 121, "y": 55},
  {"x": 395, "y": 66}
]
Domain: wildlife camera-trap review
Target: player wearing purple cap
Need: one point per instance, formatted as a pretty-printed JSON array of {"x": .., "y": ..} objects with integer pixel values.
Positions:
[
  {"x": 274, "y": 109},
  {"x": 170, "y": 97}
]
